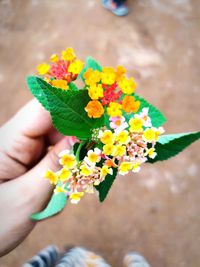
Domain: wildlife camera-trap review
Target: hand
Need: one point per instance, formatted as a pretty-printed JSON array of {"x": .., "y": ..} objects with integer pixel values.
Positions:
[{"x": 24, "y": 141}]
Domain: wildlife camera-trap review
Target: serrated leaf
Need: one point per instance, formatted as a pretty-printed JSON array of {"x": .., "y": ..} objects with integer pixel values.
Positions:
[
  {"x": 90, "y": 63},
  {"x": 170, "y": 145},
  {"x": 55, "y": 205},
  {"x": 67, "y": 108},
  {"x": 35, "y": 89},
  {"x": 157, "y": 118},
  {"x": 105, "y": 186}
]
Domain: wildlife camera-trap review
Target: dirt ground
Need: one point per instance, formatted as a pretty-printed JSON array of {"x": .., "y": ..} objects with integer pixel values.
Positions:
[{"x": 157, "y": 211}]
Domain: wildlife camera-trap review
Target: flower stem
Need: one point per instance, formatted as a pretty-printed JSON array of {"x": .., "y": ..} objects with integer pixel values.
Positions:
[{"x": 82, "y": 143}]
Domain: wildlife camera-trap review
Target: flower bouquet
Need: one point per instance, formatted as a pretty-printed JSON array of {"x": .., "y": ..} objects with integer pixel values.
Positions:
[{"x": 116, "y": 130}]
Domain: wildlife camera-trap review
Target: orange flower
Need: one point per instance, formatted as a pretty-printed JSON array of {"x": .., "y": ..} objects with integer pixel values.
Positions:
[
  {"x": 129, "y": 104},
  {"x": 120, "y": 71},
  {"x": 94, "y": 109},
  {"x": 60, "y": 84},
  {"x": 110, "y": 163}
]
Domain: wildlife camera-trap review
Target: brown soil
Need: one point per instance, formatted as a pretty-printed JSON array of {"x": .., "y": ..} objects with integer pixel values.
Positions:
[{"x": 157, "y": 211}]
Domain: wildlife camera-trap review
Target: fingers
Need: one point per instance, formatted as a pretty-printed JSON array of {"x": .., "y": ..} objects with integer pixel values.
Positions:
[
  {"x": 54, "y": 137},
  {"x": 32, "y": 120},
  {"x": 18, "y": 154},
  {"x": 22, "y": 140},
  {"x": 38, "y": 187},
  {"x": 10, "y": 168},
  {"x": 22, "y": 197}
]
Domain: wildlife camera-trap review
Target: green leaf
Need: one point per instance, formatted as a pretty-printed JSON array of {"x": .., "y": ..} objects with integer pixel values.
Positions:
[
  {"x": 72, "y": 86},
  {"x": 67, "y": 108},
  {"x": 56, "y": 204},
  {"x": 157, "y": 118},
  {"x": 105, "y": 186},
  {"x": 170, "y": 145},
  {"x": 36, "y": 90},
  {"x": 90, "y": 63}
]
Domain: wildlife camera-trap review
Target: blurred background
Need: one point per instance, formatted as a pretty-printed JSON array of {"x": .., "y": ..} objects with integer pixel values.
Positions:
[{"x": 157, "y": 211}]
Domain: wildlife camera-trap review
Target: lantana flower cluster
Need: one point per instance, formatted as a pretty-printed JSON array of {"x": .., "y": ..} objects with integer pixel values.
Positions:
[
  {"x": 62, "y": 70},
  {"x": 124, "y": 146},
  {"x": 126, "y": 141},
  {"x": 110, "y": 92}
]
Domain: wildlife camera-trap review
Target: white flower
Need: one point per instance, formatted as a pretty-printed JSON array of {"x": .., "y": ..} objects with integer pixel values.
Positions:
[
  {"x": 136, "y": 167},
  {"x": 161, "y": 130},
  {"x": 118, "y": 123},
  {"x": 144, "y": 116},
  {"x": 64, "y": 152},
  {"x": 122, "y": 127},
  {"x": 151, "y": 153},
  {"x": 93, "y": 156}
]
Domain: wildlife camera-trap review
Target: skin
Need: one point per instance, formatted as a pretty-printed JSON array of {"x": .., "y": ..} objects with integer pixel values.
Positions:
[{"x": 29, "y": 145}]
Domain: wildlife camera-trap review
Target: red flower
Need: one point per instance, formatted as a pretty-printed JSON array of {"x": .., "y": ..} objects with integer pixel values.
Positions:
[
  {"x": 110, "y": 94},
  {"x": 59, "y": 70}
]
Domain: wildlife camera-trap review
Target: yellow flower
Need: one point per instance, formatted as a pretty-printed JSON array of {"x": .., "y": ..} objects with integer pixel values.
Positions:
[
  {"x": 149, "y": 135},
  {"x": 65, "y": 174},
  {"x": 123, "y": 137},
  {"x": 129, "y": 104},
  {"x": 106, "y": 170},
  {"x": 125, "y": 167},
  {"x": 85, "y": 170},
  {"x": 107, "y": 137},
  {"x": 43, "y": 68},
  {"x": 151, "y": 153},
  {"x": 51, "y": 176},
  {"x": 136, "y": 167},
  {"x": 95, "y": 91},
  {"x": 127, "y": 85},
  {"x": 120, "y": 71},
  {"x": 92, "y": 76},
  {"x": 76, "y": 67},
  {"x": 54, "y": 58},
  {"x": 68, "y": 54},
  {"x": 119, "y": 151},
  {"x": 114, "y": 109},
  {"x": 110, "y": 163},
  {"x": 94, "y": 109},
  {"x": 60, "y": 84},
  {"x": 135, "y": 125},
  {"x": 60, "y": 189},
  {"x": 93, "y": 156},
  {"x": 108, "y": 76},
  {"x": 87, "y": 74},
  {"x": 67, "y": 160},
  {"x": 109, "y": 149},
  {"x": 158, "y": 132},
  {"x": 75, "y": 197},
  {"x": 97, "y": 182}
]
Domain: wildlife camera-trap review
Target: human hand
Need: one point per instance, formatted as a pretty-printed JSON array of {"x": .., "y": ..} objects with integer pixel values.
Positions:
[{"x": 24, "y": 141}]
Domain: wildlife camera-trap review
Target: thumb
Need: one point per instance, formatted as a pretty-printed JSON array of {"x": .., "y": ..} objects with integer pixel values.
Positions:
[
  {"x": 36, "y": 185},
  {"x": 30, "y": 192},
  {"x": 22, "y": 197}
]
